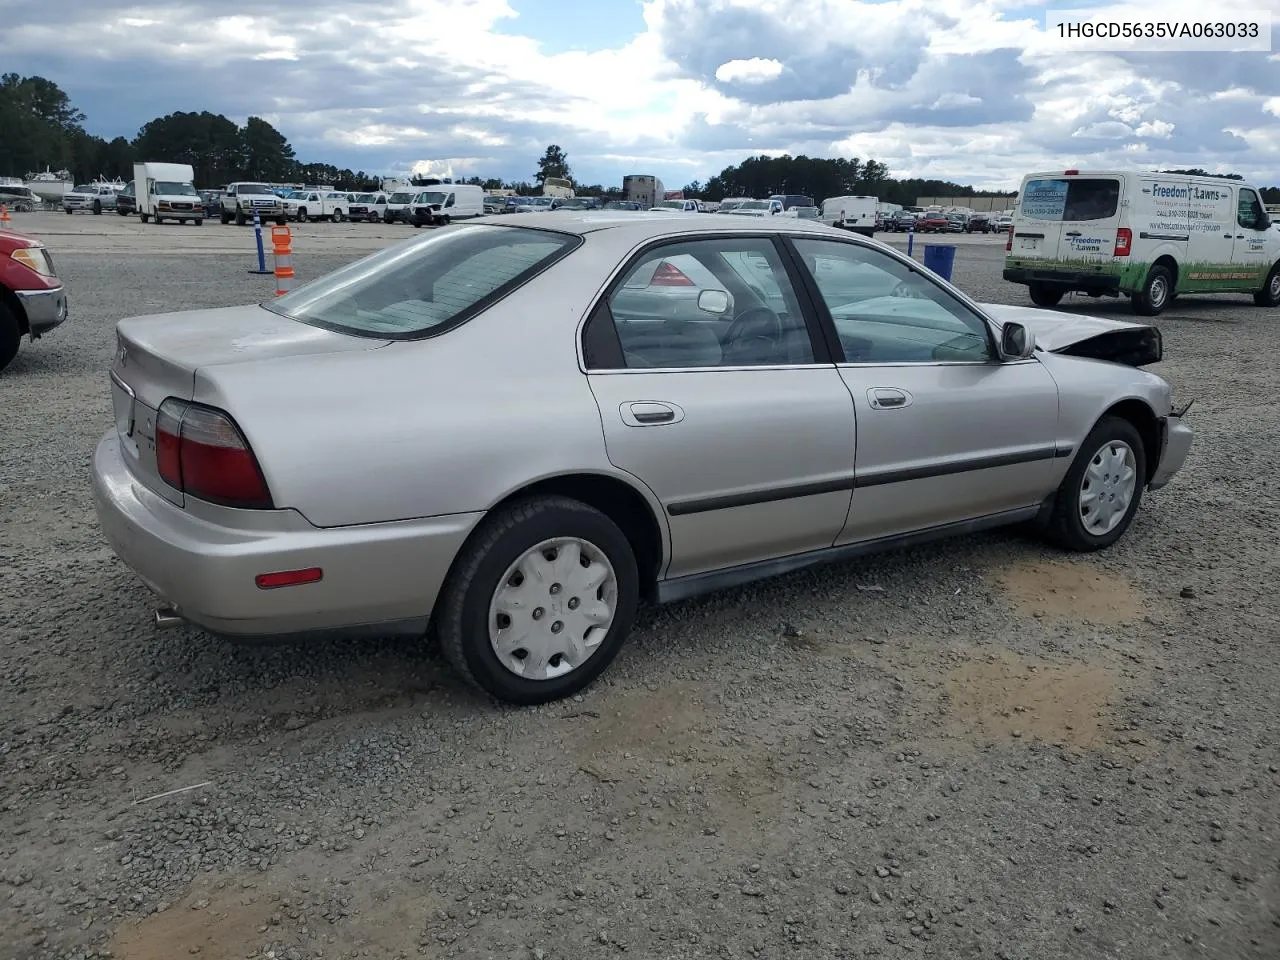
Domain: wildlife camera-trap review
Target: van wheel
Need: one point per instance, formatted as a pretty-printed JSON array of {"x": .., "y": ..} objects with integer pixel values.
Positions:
[
  {"x": 10, "y": 335},
  {"x": 1101, "y": 492},
  {"x": 540, "y": 600},
  {"x": 1154, "y": 296},
  {"x": 1269, "y": 295},
  {"x": 1043, "y": 295}
]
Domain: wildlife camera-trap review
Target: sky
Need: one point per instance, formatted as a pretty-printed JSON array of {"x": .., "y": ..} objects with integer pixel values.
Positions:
[{"x": 973, "y": 91}]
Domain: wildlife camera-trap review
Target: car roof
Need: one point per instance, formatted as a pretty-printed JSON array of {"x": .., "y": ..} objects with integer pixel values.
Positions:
[{"x": 644, "y": 225}]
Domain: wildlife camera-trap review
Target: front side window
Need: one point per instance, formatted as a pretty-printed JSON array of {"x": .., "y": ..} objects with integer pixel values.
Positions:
[
  {"x": 884, "y": 312},
  {"x": 709, "y": 303},
  {"x": 1071, "y": 200},
  {"x": 1249, "y": 210},
  {"x": 409, "y": 291}
]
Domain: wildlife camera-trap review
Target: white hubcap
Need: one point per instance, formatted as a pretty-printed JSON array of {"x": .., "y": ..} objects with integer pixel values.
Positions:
[
  {"x": 1108, "y": 486},
  {"x": 1275, "y": 286},
  {"x": 553, "y": 608}
]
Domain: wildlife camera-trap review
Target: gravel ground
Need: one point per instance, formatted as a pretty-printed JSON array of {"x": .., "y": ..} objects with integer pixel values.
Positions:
[{"x": 978, "y": 749}]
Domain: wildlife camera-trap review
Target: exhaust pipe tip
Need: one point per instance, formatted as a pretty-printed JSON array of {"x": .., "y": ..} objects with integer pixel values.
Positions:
[{"x": 167, "y": 617}]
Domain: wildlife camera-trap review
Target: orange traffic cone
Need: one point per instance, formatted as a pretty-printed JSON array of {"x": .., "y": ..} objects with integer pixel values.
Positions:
[
  {"x": 5, "y": 220},
  {"x": 281, "y": 241}
]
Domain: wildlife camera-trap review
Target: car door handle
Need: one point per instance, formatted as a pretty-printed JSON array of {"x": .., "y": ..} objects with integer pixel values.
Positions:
[
  {"x": 650, "y": 413},
  {"x": 888, "y": 398}
]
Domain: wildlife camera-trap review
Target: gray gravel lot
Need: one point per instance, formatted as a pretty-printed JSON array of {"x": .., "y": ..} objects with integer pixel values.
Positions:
[{"x": 977, "y": 749}]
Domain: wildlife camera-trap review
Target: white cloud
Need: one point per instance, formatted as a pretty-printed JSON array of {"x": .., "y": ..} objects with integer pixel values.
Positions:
[
  {"x": 970, "y": 90},
  {"x": 755, "y": 70}
]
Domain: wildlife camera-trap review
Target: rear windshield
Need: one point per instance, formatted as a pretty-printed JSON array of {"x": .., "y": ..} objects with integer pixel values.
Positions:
[
  {"x": 1079, "y": 198},
  {"x": 424, "y": 286}
]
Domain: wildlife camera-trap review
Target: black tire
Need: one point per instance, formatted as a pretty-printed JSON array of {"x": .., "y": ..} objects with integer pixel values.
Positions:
[
  {"x": 241, "y": 219},
  {"x": 302, "y": 214},
  {"x": 1066, "y": 528},
  {"x": 10, "y": 335},
  {"x": 1044, "y": 296},
  {"x": 123, "y": 213},
  {"x": 337, "y": 216},
  {"x": 97, "y": 208},
  {"x": 182, "y": 223},
  {"x": 1155, "y": 293},
  {"x": 144, "y": 217},
  {"x": 462, "y": 613},
  {"x": 159, "y": 219},
  {"x": 198, "y": 221},
  {"x": 68, "y": 209},
  {"x": 281, "y": 221},
  {"x": 1269, "y": 295},
  {"x": 224, "y": 217}
]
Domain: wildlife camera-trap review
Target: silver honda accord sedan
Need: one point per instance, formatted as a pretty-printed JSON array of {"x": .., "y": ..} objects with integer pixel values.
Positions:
[{"x": 508, "y": 433}]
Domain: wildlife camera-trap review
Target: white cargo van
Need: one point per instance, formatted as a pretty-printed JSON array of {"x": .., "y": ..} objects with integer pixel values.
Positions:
[
  {"x": 445, "y": 202},
  {"x": 851, "y": 213},
  {"x": 1147, "y": 236}
]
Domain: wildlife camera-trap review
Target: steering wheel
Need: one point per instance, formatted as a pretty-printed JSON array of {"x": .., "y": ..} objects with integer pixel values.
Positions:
[
  {"x": 754, "y": 323},
  {"x": 908, "y": 290}
]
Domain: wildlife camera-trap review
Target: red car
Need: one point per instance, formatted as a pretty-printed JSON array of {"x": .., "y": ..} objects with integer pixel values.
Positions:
[
  {"x": 932, "y": 223},
  {"x": 32, "y": 299}
]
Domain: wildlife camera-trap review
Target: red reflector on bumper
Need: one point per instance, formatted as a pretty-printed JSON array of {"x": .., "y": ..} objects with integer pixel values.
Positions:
[{"x": 288, "y": 578}]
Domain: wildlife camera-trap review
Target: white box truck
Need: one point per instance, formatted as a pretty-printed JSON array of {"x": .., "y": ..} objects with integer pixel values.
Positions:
[
  {"x": 1147, "y": 236},
  {"x": 167, "y": 191},
  {"x": 643, "y": 189}
]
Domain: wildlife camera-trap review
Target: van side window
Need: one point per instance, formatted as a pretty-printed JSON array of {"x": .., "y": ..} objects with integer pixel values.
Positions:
[{"x": 1249, "y": 210}]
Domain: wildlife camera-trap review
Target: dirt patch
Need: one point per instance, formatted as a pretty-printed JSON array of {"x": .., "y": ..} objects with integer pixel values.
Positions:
[
  {"x": 1006, "y": 697},
  {"x": 1071, "y": 591},
  {"x": 217, "y": 925}
]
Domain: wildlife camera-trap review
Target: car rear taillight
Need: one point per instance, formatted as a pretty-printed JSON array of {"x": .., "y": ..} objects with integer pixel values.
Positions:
[
  {"x": 1124, "y": 242},
  {"x": 1008, "y": 244},
  {"x": 201, "y": 451},
  {"x": 668, "y": 276}
]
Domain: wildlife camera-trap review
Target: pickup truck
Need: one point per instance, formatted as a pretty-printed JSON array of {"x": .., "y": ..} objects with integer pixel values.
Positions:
[
  {"x": 242, "y": 200},
  {"x": 94, "y": 197},
  {"x": 32, "y": 299},
  {"x": 304, "y": 205}
]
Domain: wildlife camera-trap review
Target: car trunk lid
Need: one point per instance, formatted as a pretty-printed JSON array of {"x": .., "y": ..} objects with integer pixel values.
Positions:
[{"x": 157, "y": 357}]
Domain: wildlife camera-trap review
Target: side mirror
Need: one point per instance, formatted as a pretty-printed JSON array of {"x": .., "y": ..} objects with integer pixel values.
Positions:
[
  {"x": 714, "y": 302},
  {"x": 1016, "y": 342}
]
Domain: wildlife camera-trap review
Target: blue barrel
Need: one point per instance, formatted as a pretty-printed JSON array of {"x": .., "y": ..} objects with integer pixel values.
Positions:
[{"x": 940, "y": 258}]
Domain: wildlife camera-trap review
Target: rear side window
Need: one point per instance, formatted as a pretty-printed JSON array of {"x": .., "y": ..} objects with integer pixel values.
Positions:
[
  {"x": 1080, "y": 198},
  {"x": 426, "y": 286}
]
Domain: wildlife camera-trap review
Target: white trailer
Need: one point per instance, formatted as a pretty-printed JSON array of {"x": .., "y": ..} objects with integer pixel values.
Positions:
[
  {"x": 167, "y": 191},
  {"x": 643, "y": 189},
  {"x": 851, "y": 213}
]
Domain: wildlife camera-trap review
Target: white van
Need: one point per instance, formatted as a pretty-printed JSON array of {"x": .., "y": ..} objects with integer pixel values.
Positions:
[
  {"x": 166, "y": 191},
  {"x": 852, "y": 213},
  {"x": 1147, "y": 236},
  {"x": 447, "y": 201}
]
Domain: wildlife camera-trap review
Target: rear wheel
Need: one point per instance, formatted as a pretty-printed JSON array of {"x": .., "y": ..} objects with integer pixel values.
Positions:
[
  {"x": 1101, "y": 492},
  {"x": 1269, "y": 295},
  {"x": 1155, "y": 293},
  {"x": 198, "y": 222},
  {"x": 1043, "y": 295},
  {"x": 10, "y": 334},
  {"x": 539, "y": 600}
]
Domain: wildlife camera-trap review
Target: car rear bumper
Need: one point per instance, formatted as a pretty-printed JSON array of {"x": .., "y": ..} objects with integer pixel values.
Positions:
[
  {"x": 373, "y": 575},
  {"x": 1063, "y": 279},
  {"x": 1175, "y": 445},
  {"x": 45, "y": 309}
]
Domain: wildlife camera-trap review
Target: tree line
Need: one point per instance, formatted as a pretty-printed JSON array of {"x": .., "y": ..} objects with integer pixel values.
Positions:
[{"x": 41, "y": 128}]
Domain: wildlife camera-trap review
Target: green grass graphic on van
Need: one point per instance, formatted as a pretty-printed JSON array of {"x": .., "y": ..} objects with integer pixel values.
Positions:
[{"x": 1195, "y": 277}]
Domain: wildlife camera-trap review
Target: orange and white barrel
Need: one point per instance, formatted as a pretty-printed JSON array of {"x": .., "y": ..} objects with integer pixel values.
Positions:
[
  {"x": 5, "y": 220},
  {"x": 282, "y": 249}
]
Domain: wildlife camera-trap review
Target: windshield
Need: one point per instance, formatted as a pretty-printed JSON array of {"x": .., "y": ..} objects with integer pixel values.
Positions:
[
  {"x": 168, "y": 187},
  {"x": 412, "y": 289},
  {"x": 364, "y": 198},
  {"x": 401, "y": 198},
  {"x": 83, "y": 188},
  {"x": 755, "y": 205},
  {"x": 244, "y": 188},
  {"x": 672, "y": 204},
  {"x": 432, "y": 196}
]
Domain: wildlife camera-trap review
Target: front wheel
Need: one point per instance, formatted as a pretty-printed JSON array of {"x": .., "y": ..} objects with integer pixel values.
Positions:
[
  {"x": 241, "y": 220},
  {"x": 539, "y": 600},
  {"x": 97, "y": 208},
  {"x": 1269, "y": 295},
  {"x": 1044, "y": 296},
  {"x": 1101, "y": 492},
  {"x": 198, "y": 222},
  {"x": 224, "y": 217},
  {"x": 10, "y": 334},
  {"x": 1155, "y": 293}
]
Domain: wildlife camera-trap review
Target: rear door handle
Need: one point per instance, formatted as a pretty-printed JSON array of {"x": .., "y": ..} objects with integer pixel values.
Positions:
[
  {"x": 650, "y": 413},
  {"x": 888, "y": 398}
]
